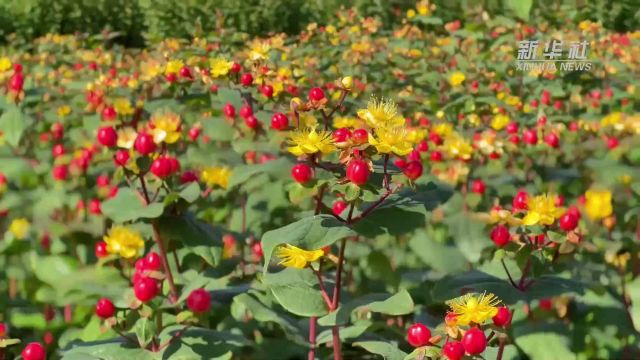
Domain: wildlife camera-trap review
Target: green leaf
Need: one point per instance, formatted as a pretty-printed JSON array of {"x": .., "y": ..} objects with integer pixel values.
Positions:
[
  {"x": 520, "y": 8},
  {"x": 128, "y": 206},
  {"x": 441, "y": 257},
  {"x": 387, "y": 350},
  {"x": 201, "y": 238},
  {"x": 297, "y": 291},
  {"x": 113, "y": 349},
  {"x": 200, "y": 343},
  {"x": 191, "y": 192},
  {"x": 217, "y": 129},
  {"x": 424, "y": 352},
  {"x": 469, "y": 235},
  {"x": 243, "y": 173},
  {"x": 145, "y": 330},
  {"x": 13, "y": 124},
  {"x": 633, "y": 289},
  {"x": 543, "y": 342},
  {"x": 310, "y": 233},
  {"x": 262, "y": 313},
  {"x": 398, "y": 304}
]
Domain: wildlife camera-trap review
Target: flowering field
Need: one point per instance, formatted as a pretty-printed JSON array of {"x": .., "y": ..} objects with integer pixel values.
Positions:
[{"x": 348, "y": 192}]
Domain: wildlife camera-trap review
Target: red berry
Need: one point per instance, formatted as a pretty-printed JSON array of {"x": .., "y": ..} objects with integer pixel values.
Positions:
[
  {"x": 613, "y": 142},
  {"x": 520, "y": 200},
  {"x": 478, "y": 186},
  {"x": 16, "y": 82},
  {"x": 256, "y": 249},
  {"x": 246, "y": 79},
  {"x": 435, "y": 138},
  {"x": 413, "y": 170},
  {"x": 279, "y": 121},
  {"x": 57, "y": 131},
  {"x": 400, "y": 163},
  {"x": 246, "y": 111},
  {"x": 122, "y": 157},
  {"x": 512, "y": 127},
  {"x": 503, "y": 317},
  {"x": 235, "y": 68},
  {"x": 108, "y": 113},
  {"x": 546, "y": 97},
  {"x": 60, "y": 172},
  {"x": 107, "y": 136},
  {"x": 57, "y": 150},
  {"x": 418, "y": 335},
  {"x": 252, "y": 122},
  {"x": 105, "y": 308},
  {"x": 474, "y": 341},
  {"x": 341, "y": 135},
  {"x": 316, "y": 94},
  {"x": 568, "y": 221},
  {"x": 267, "y": 90},
  {"x": 436, "y": 156},
  {"x": 500, "y": 235},
  {"x": 552, "y": 140},
  {"x": 453, "y": 350},
  {"x": 188, "y": 177},
  {"x": 185, "y": 72},
  {"x": 161, "y": 167},
  {"x": 229, "y": 110},
  {"x": 545, "y": 304},
  {"x": 199, "y": 301},
  {"x": 17, "y": 68},
  {"x": 302, "y": 173},
  {"x": 542, "y": 120},
  {"x": 3, "y": 330},
  {"x": 171, "y": 77},
  {"x": 358, "y": 172},
  {"x": 144, "y": 144},
  {"x": 145, "y": 289},
  {"x": 152, "y": 261},
  {"x": 360, "y": 136},
  {"x": 34, "y": 351},
  {"x": 94, "y": 207},
  {"x": 530, "y": 137},
  {"x": 101, "y": 249},
  {"x": 423, "y": 146},
  {"x": 338, "y": 207},
  {"x": 194, "y": 133}
]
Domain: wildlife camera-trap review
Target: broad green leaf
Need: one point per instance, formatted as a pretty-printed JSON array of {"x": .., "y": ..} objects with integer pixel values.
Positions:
[
  {"x": 201, "y": 238},
  {"x": 13, "y": 123},
  {"x": 387, "y": 350},
  {"x": 444, "y": 258},
  {"x": 129, "y": 206},
  {"x": 262, "y": 313},
  {"x": 398, "y": 304},
  {"x": 520, "y": 8},
  {"x": 297, "y": 291},
  {"x": 310, "y": 233},
  {"x": 145, "y": 330},
  {"x": 243, "y": 173},
  {"x": 191, "y": 192},
  {"x": 543, "y": 342},
  {"x": 469, "y": 234}
]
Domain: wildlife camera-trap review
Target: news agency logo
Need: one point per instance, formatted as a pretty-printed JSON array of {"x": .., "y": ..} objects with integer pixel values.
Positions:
[{"x": 552, "y": 57}]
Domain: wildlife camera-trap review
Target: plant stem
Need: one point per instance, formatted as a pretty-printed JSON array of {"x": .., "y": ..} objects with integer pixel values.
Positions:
[
  {"x": 501, "y": 349},
  {"x": 386, "y": 175},
  {"x": 337, "y": 351},
  {"x": 525, "y": 272},
  {"x": 313, "y": 323}
]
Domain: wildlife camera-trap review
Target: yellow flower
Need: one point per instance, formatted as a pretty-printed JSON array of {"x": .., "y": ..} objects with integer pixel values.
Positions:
[
  {"x": 173, "y": 67},
  {"x": 411, "y": 13},
  {"x": 310, "y": 141},
  {"x": 457, "y": 147},
  {"x": 220, "y": 67},
  {"x": 259, "y": 51},
  {"x": 126, "y": 138},
  {"x": 503, "y": 216},
  {"x": 474, "y": 308},
  {"x": 392, "y": 140},
  {"x": 123, "y": 241},
  {"x": 123, "y": 107},
  {"x": 456, "y": 78},
  {"x": 344, "y": 122},
  {"x": 499, "y": 122},
  {"x": 5, "y": 64},
  {"x": 216, "y": 176},
  {"x": 598, "y": 204},
  {"x": 64, "y": 110},
  {"x": 381, "y": 112},
  {"x": 542, "y": 210},
  {"x": 443, "y": 129},
  {"x": 165, "y": 127},
  {"x": 19, "y": 228},
  {"x": 347, "y": 82},
  {"x": 292, "y": 256}
]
